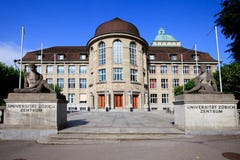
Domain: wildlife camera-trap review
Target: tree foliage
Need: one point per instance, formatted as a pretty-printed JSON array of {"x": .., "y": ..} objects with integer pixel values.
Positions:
[
  {"x": 179, "y": 89},
  {"x": 55, "y": 87},
  {"x": 9, "y": 77},
  {"x": 230, "y": 78},
  {"x": 229, "y": 20}
]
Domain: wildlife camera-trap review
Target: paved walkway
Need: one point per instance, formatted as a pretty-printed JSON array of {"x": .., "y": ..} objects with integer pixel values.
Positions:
[{"x": 121, "y": 121}]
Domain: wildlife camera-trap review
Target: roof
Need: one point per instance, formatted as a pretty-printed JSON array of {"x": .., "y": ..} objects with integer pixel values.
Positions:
[
  {"x": 164, "y": 54},
  {"x": 71, "y": 53},
  {"x": 116, "y": 25}
]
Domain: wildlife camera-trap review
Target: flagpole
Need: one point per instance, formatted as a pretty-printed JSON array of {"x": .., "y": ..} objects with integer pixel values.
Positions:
[
  {"x": 219, "y": 63},
  {"x": 41, "y": 56},
  {"x": 196, "y": 58},
  {"x": 21, "y": 55}
]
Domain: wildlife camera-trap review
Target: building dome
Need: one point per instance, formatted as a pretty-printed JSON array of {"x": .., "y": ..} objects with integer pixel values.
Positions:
[
  {"x": 164, "y": 37},
  {"x": 116, "y": 25}
]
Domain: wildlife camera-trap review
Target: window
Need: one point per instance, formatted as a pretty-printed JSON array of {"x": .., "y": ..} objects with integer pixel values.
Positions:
[
  {"x": 83, "y": 83},
  {"x": 196, "y": 58},
  {"x": 60, "y": 69},
  {"x": 151, "y": 57},
  {"x": 102, "y": 75},
  {"x": 60, "y": 82},
  {"x": 39, "y": 57},
  {"x": 174, "y": 69},
  {"x": 117, "y": 52},
  {"x": 185, "y": 81},
  {"x": 60, "y": 57},
  {"x": 117, "y": 74},
  {"x": 27, "y": 69},
  {"x": 164, "y": 83},
  {"x": 152, "y": 69},
  {"x": 83, "y": 98},
  {"x": 175, "y": 82},
  {"x": 133, "y": 58},
  {"x": 208, "y": 69},
  {"x": 83, "y": 69},
  {"x": 83, "y": 57},
  {"x": 101, "y": 53},
  {"x": 71, "y": 69},
  {"x": 153, "y": 98},
  {"x": 71, "y": 97},
  {"x": 163, "y": 69},
  {"x": 49, "y": 80},
  {"x": 173, "y": 57},
  {"x": 49, "y": 69},
  {"x": 164, "y": 98},
  {"x": 185, "y": 69},
  {"x": 133, "y": 77},
  {"x": 196, "y": 69},
  {"x": 71, "y": 82},
  {"x": 39, "y": 68},
  {"x": 153, "y": 83}
]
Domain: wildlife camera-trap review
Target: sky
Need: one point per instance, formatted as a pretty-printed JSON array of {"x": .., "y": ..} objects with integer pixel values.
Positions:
[{"x": 73, "y": 23}]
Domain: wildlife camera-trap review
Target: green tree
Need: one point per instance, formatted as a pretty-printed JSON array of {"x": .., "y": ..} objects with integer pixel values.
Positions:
[
  {"x": 229, "y": 20},
  {"x": 179, "y": 89},
  {"x": 230, "y": 78},
  {"x": 55, "y": 87},
  {"x": 9, "y": 77}
]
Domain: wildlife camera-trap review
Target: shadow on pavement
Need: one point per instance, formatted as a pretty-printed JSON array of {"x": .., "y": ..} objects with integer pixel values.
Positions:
[{"x": 75, "y": 123}]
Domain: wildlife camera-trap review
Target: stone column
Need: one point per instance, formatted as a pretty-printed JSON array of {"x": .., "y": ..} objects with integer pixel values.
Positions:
[
  {"x": 130, "y": 99},
  {"x": 107, "y": 100}
]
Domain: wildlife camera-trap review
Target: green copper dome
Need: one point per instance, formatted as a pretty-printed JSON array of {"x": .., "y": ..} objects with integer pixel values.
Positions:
[{"x": 164, "y": 37}]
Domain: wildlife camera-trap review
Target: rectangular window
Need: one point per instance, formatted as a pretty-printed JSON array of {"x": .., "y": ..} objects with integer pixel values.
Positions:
[
  {"x": 185, "y": 69},
  {"x": 133, "y": 77},
  {"x": 83, "y": 98},
  {"x": 60, "y": 82},
  {"x": 174, "y": 69},
  {"x": 196, "y": 70},
  {"x": 208, "y": 69},
  {"x": 153, "y": 83},
  {"x": 153, "y": 98},
  {"x": 175, "y": 83},
  {"x": 102, "y": 75},
  {"x": 39, "y": 68},
  {"x": 49, "y": 80},
  {"x": 163, "y": 69},
  {"x": 174, "y": 57},
  {"x": 83, "y": 83},
  {"x": 49, "y": 69},
  {"x": 71, "y": 97},
  {"x": 186, "y": 81},
  {"x": 151, "y": 57},
  {"x": 60, "y": 69},
  {"x": 60, "y": 57},
  {"x": 117, "y": 74},
  {"x": 133, "y": 57},
  {"x": 164, "y": 83},
  {"x": 71, "y": 69},
  {"x": 39, "y": 57},
  {"x": 117, "y": 52},
  {"x": 152, "y": 69},
  {"x": 101, "y": 54},
  {"x": 164, "y": 98},
  {"x": 83, "y": 57},
  {"x": 71, "y": 82},
  {"x": 83, "y": 69}
]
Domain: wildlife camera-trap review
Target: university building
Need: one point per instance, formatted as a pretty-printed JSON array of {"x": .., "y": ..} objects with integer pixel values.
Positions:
[{"x": 118, "y": 70}]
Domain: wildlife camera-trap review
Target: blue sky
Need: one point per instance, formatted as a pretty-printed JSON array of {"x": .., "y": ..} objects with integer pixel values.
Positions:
[{"x": 73, "y": 23}]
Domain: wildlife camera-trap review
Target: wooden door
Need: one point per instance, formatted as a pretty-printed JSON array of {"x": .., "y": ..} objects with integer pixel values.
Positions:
[
  {"x": 101, "y": 101},
  {"x": 135, "y": 101},
  {"x": 118, "y": 100}
]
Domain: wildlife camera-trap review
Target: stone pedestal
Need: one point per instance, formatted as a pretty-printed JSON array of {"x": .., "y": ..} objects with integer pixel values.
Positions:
[
  {"x": 206, "y": 113},
  {"x": 32, "y": 115}
]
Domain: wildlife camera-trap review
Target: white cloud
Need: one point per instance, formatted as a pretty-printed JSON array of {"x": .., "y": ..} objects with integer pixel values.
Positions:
[{"x": 8, "y": 52}]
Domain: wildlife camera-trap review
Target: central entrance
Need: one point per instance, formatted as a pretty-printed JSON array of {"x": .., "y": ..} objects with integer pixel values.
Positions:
[
  {"x": 118, "y": 101},
  {"x": 101, "y": 101},
  {"x": 135, "y": 101}
]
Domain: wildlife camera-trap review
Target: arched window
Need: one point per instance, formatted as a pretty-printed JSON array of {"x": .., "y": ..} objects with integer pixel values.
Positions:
[
  {"x": 117, "y": 52},
  {"x": 132, "y": 50},
  {"x": 101, "y": 53}
]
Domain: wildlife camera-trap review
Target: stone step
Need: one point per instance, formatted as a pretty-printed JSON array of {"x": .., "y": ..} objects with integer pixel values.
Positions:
[{"x": 105, "y": 137}]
